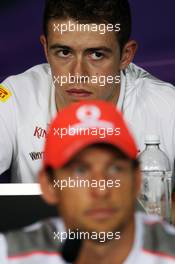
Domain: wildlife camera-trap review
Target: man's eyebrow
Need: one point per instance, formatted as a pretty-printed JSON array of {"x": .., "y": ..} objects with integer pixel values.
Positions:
[
  {"x": 59, "y": 46},
  {"x": 101, "y": 48},
  {"x": 93, "y": 49}
]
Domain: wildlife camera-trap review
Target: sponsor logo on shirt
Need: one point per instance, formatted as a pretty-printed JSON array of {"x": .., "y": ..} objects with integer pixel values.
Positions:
[
  {"x": 36, "y": 155},
  {"x": 39, "y": 132},
  {"x": 5, "y": 94}
]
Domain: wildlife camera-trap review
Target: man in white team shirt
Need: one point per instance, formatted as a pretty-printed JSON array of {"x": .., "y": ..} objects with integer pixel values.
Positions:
[
  {"x": 76, "y": 43},
  {"x": 94, "y": 181}
]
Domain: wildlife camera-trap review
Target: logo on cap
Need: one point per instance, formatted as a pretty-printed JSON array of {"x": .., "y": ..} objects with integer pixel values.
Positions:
[
  {"x": 89, "y": 115},
  {"x": 88, "y": 112}
]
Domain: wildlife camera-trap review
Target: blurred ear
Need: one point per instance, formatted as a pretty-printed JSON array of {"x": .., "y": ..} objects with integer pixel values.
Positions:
[
  {"x": 43, "y": 41},
  {"x": 49, "y": 193},
  {"x": 128, "y": 54}
]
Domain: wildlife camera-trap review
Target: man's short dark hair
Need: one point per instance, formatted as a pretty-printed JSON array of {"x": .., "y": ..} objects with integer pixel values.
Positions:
[{"x": 91, "y": 11}]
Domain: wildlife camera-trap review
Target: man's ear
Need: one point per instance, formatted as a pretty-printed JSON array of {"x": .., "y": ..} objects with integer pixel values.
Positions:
[
  {"x": 128, "y": 53},
  {"x": 43, "y": 41},
  {"x": 49, "y": 193}
]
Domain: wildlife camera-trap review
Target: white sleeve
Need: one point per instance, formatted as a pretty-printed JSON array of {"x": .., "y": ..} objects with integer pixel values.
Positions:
[
  {"x": 6, "y": 148},
  {"x": 7, "y": 132},
  {"x": 3, "y": 250},
  {"x": 171, "y": 137}
]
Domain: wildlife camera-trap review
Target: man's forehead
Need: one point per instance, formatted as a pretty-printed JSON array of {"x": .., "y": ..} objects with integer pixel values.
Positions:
[{"x": 89, "y": 37}]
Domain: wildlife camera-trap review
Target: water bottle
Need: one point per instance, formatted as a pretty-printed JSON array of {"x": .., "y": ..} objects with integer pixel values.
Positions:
[{"x": 156, "y": 189}]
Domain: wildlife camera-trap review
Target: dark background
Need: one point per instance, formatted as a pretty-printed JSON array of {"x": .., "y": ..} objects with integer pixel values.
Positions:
[
  {"x": 20, "y": 28},
  {"x": 19, "y": 211}
]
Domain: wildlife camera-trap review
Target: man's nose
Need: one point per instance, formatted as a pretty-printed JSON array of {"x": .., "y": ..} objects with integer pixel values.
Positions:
[
  {"x": 99, "y": 187},
  {"x": 79, "y": 68}
]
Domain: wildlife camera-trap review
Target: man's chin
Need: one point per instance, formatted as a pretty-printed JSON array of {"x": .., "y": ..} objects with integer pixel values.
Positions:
[
  {"x": 75, "y": 99},
  {"x": 92, "y": 229},
  {"x": 114, "y": 226},
  {"x": 99, "y": 236}
]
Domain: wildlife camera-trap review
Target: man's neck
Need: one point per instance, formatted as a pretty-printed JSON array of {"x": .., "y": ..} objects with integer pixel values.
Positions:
[
  {"x": 115, "y": 98},
  {"x": 113, "y": 252}
]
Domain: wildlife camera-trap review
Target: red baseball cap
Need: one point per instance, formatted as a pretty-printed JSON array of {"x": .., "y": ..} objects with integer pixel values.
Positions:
[{"x": 82, "y": 124}]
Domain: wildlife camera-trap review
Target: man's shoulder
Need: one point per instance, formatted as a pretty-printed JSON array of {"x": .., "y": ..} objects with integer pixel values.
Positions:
[
  {"x": 36, "y": 238},
  {"x": 31, "y": 89},
  {"x": 37, "y": 71},
  {"x": 149, "y": 91},
  {"x": 30, "y": 81},
  {"x": 3, "y": 249},
  {"x": 145, "y": 82},
  {"x": 158, "y": 237}
]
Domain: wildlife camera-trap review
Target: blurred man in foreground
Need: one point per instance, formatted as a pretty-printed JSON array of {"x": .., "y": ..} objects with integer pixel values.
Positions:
[{"x": 92, "y": 175}]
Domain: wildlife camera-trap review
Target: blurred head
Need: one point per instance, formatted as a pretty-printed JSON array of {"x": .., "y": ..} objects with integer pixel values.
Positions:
[
  {"x": 87, "y": 52},
  {"x": 106, "y": 168},
  {"x": 106, "y": 205}
]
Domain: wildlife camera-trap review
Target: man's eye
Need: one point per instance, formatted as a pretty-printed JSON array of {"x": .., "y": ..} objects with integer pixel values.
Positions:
[
  {"x": 114, "y": 169},
  {"x": 97, "y": 55},
  {"x": 63, "y": 53},
  {"x": 80, "y": 170}
]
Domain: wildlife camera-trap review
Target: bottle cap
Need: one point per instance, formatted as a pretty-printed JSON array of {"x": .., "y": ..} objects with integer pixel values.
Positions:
[{"x": 152, "y": 139}]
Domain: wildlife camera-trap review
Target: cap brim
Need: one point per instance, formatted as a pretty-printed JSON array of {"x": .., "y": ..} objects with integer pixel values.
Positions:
[{"x": 78, "y": 146}]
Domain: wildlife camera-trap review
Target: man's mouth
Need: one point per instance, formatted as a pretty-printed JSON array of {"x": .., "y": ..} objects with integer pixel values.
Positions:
[
  {"x": 78, "y": 92},
  {"x": 101, "y": 213}
]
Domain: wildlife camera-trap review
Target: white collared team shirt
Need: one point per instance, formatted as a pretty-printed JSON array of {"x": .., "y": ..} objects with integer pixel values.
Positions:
[
  {"x": 154, "y": 243},
  {"x": 27, "y": 105}
]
